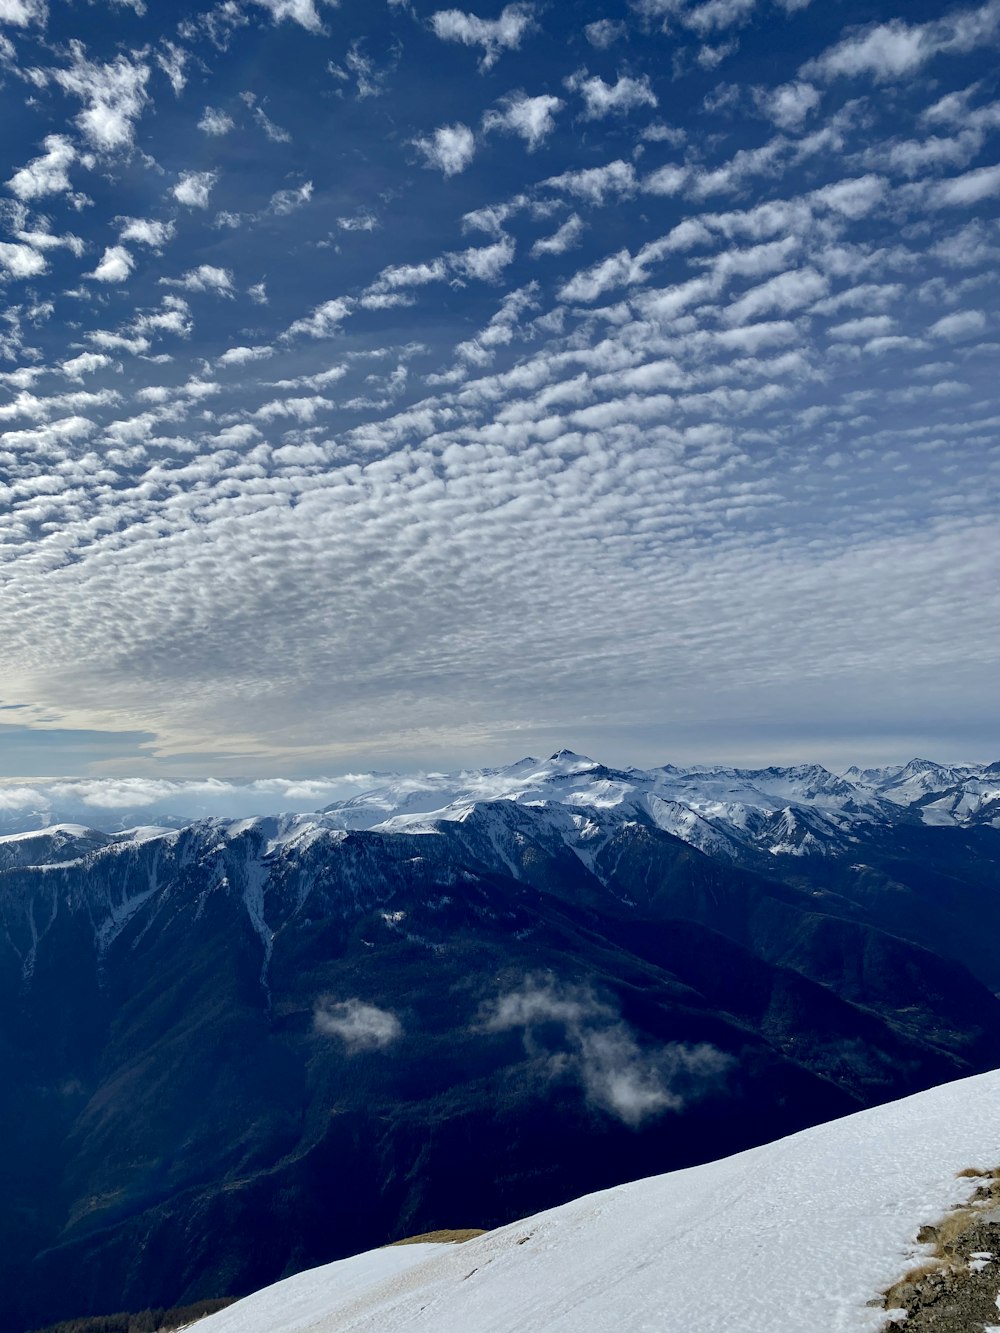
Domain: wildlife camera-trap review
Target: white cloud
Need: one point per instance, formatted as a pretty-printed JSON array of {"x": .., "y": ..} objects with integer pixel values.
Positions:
[
  {"x": 887, "y": 51},
  {"x": 21, "y": 261},
  {"x": 48, "y": 174},
  {"x": 450, "y": 149},
  {"x": 601, "y": 1051},
  {"x": 287, "y": 201},
  {"x": 302, "y": 409},
  {"x": 374, "y": 300},
  {"x": 790, "y": 105},
  {"x": 361, "y": 221},
  {"x": 604, "y": 32},
  {"x": 485, "y": 263},
  {"x": 954, "y": 108},
  {"x": 240, "y": 356},
  {"x": 274, "y": 132},
  {"x": 714, "y": 15},
  {"x": 85, "y": 364},
  {"x": 709, "y": 57},
  {"x": 853, "y": 197},
  {"x": 492, "y": 218},
  {"x": 751, "y": 338},
  {"x": 115, "y": 266},
  {"x": 867, "y": 326},
  {"x": 658, "y": 132},
  {"x": 114, "y": 96},
  {"x": 204, "y": 278},
  {"x": 533, "y": 118},
  {"x": 324, "y": 321},
  {"x": 499, "y": 332},
  {"x": 215, "y": 122},
  {"x": 969, "y": 246},
  {"x": 560, "y": 241},
  {"x": 370, "y": 80},
  {"x": 787, "y": 291},
  {"x": 494, "y": 35},
  {"x": 303, "y": 12},
  {"x": 705, "y": 17},
  {"x": 360, "y": 1026},
  {"x": 595, "y": 183},
  {"x": 971, "y": 188},
  {"x": 173, "y": 316},
  {"x": 604, "y": 99},
  {"x": 22, "y": 12},
  {"x": 398, "y": 276},
  {"x": 667, "y": 180},
  {"x": 118, "y": 342},
  {"x": 918, "y": 157},
  {"x": 895, "y": 49},
  {"x": 147, "y": 231},
  {"x": 960, "y": 324},
  {"x": 617, "y": 270},
  {"x": 105, "y": 802},
  {"x": 172, "y": 59},
  {"x": 194, "y": 187}
]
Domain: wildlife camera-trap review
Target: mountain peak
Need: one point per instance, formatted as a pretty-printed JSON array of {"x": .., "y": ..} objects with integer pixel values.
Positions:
[
  {"x": 571, "y": 757},
  {"x": 918, "y": 765}
]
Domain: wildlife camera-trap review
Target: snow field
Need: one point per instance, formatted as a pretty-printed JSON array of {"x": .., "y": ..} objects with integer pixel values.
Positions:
[{"x": 796, "y": 1235}]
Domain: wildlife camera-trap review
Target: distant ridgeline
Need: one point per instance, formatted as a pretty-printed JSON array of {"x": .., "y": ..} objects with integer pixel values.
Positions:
[{"x": 236, "y": 1049}]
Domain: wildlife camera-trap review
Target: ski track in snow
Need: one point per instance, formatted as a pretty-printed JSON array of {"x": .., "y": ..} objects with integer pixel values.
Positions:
[{"x": 796, "y": 1235}]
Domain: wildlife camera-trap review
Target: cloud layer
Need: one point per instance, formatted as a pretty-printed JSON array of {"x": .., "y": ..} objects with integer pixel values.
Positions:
[{"x": 502, "y": 379}]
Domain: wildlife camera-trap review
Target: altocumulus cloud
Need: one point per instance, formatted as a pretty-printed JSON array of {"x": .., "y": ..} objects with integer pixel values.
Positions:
[{"x": 298, "y": 475}]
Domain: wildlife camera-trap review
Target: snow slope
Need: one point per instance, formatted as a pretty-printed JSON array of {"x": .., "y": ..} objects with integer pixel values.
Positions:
[{"x": 797, "y": 1235}]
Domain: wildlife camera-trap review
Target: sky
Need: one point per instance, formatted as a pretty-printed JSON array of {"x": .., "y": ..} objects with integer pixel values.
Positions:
[{"x": 385, "y": 385}]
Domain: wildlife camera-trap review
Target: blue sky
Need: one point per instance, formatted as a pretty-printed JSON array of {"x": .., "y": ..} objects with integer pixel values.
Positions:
[{"x": 392, "y": 385}]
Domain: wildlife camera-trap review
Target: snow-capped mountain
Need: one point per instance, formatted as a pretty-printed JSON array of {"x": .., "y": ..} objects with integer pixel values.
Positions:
[
  {"x": 956, "y": 794},
  {"x": 567, "y": 811},
  {"x": 804, "y": 1233},
  {"x": 779, "y": 811},
  {"x": 723, "y": 811}
]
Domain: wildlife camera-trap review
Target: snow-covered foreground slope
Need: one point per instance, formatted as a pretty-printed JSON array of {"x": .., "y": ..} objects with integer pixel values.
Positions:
[{"x": 797, "y": 1235}]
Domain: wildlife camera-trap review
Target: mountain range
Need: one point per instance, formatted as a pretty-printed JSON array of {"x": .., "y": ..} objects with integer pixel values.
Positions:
[
  {"x": 233, "y": 1049},
  {"x": 701, "y": 803}
]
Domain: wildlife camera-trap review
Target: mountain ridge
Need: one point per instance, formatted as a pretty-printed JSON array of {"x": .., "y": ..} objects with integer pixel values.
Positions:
[{"x": 962, "y": 795}]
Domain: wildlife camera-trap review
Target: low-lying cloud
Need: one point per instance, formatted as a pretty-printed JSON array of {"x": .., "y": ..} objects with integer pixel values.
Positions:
[
  {"x": 617, "y": 1074},
  {"x": 360, "y": 1026}
]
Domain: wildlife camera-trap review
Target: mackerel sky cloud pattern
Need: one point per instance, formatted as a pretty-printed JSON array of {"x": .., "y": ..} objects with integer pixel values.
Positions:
[{"x": 389, "y": 384}]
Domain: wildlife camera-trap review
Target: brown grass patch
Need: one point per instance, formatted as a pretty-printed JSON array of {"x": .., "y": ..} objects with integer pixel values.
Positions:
[
  {"x": 945, "y": 1235},
  {"x": 447, "y": 1237}
]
